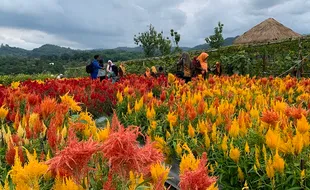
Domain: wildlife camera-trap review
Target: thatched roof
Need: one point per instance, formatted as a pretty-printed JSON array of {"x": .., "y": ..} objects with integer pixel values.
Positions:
[{"x": 267, "y": 31}]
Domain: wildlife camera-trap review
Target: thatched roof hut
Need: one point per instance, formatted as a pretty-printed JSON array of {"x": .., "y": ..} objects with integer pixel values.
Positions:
[{"x": 267, "y": 31}]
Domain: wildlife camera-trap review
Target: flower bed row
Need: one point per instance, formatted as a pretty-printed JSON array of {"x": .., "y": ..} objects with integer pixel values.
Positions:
[
  {"x": 49, "y": 140},
  {"x": 254, "y": 130}
]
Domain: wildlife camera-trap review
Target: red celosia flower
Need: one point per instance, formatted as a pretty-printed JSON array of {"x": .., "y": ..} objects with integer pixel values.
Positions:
[
  {"x": 296, "y": 113},
  {"x": 52, "y": 138},
  {"x": 108, "y": 185},
  {"x": 72, "y": 160},
  {"x": 123, "y": 151},
  {"x": 10, "y": 155},
  {"x": 198, "y": 179},
  {"x": 163, "y": 96},
  {"x": 270, "y": 117}
]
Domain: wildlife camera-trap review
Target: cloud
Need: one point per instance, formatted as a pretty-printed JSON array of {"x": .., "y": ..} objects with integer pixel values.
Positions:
[{"x": 112, "y": 23}]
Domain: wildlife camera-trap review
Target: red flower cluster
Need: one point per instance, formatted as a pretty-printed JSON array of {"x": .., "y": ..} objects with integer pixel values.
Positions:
[{"x": 124, "y": 153}]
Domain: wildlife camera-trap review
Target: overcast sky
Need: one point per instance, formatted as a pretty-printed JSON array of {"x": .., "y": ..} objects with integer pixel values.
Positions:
[{"x": 86, "y": 24}]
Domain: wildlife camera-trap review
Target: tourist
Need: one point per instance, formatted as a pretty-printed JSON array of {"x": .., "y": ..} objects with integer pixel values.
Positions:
[
  {"x": 101, "y": 72},
  {"x": 202, "y": 58},
  {"x": 95, "y": 67},
  {"x": 185, "y": 67}
]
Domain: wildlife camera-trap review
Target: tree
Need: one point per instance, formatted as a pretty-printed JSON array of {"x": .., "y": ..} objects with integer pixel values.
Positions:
[
  {"x": 216, "y": 40},
  {"x": 148, "y": 41},
  {"x": 176, "y": 37},
  {"x": 164, "y": 44}
]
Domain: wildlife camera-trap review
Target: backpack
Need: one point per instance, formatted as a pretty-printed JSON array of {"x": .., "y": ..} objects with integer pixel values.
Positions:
[
  {"x": 115, "y": 70},
  {"x": 89, "y": 68}
]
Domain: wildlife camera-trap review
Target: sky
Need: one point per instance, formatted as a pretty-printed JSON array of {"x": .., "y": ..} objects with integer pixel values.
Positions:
[{"x": 90, "y": 24}]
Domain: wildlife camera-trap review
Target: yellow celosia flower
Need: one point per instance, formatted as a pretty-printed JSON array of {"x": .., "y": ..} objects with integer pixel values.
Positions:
[
  {"x": 103, "y": 134},
  {"x": 302, "y": 174},
  {"x": 298, "y": 143},
  {"x": 29, "y": 175},
  {"x": 150, "y": 113},
  {"x": 185, "y": 147},
  {"x": 269, "y": 169},
  {"x": 129, "y": 109},
  {"x": 135, "y": 180},
  {"x": 278, "y": 162},
  {"x": 213, "y": 186},
  {"x": 280, "y": 106},
  {"x": 188, "y": 163},
  {"x": 178, "y": 149},
  {"x": 303, "y": 125},
  {"x": 272, "y": 139},
  {"x": 86, "y": 117},
  {"x": 171, "y": 78},
  {"x": 207, "y": 140},
  {"x": 15, "y": 85},
  {"x": 171, "y": 118},
  {"x": 68, "y": 100},
  {"x": 191, "y": 131},
  {"x": 160, "y": 143},
  {"x": 159, "y": 173},
  {"x": 20, "y": 131},
  {"x": 3, "y": 113},
  {"x": 224, "y": 145},
  {"x": 153, "y": 125},
  {"x": 66, "y": 184},
  {"x": 240, "y": 174},
  {"x": 234, "y": 129},
  {"x": 247, "y": 148},
  {"x": 234, "y": 154},
  {"x": 119, "y": 97},
  {"x": 138, "y": 105},
  {"x": 214, "y": 133}
]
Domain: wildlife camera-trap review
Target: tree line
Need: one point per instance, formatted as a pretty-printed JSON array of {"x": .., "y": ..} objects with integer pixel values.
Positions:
[{"x": 154, "y": 42}]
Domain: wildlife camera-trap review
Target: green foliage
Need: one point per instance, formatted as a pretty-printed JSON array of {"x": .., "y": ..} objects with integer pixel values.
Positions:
[
  {"x": 164, "y": 44},
  {"x": 216, "y": 40},
  {"x": 176, "y": 37},
  {"x": 8, "y": 79},
  {"x": 148, "y": 41}
]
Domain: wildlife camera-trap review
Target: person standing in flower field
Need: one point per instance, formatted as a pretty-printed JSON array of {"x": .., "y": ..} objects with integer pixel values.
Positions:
[
  {"x": 202, "y": 59},
  {"x": 185, "y": 67},
  {"x": 112, "y": 71},
  {"x": 95, "y": 67},
  {"x": 102, "y": 72}
]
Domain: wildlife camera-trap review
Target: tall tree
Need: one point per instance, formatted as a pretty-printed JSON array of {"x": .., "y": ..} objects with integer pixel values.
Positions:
[
  {"x": 216, "y": 40},
  {"x": 148, "y": 41},
  {"x": 176, "y": 37},
  {"x": 164, "y": 44}
]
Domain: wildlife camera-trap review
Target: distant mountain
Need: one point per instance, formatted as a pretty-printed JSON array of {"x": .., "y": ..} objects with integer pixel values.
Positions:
[
  {"x": 50, "y": 50},
  {"x": 227, "y": 42},
  {"x": 12, "y": 51}
]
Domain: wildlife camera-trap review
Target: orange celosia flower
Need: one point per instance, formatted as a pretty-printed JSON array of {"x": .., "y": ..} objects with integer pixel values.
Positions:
[
  {"x": 48, "y": 106},
  {"x": 270, "y": 117}
]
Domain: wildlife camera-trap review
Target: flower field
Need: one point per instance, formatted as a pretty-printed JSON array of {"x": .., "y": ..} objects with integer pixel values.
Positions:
[{"x": 231, "y": 132}]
